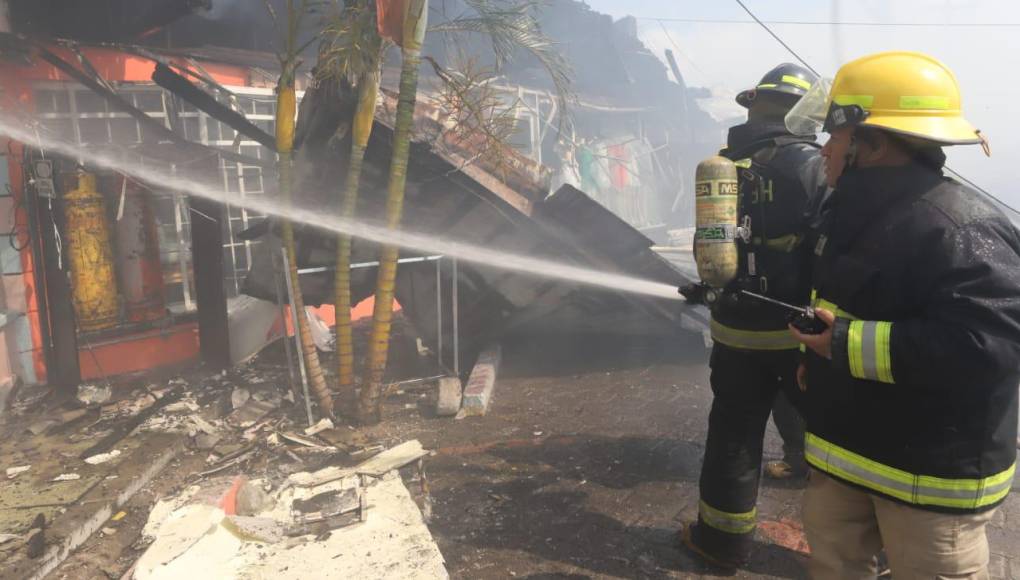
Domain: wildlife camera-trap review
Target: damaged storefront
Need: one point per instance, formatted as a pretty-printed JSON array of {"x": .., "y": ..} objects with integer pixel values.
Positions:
[{"x": 127, "y": 245}]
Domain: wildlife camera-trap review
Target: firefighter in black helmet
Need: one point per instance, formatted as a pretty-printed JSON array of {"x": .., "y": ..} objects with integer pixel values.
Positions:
[{"x": 754, "y": 358}]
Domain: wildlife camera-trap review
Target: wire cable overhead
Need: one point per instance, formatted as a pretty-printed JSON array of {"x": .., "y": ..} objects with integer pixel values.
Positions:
[
  {"x": 776, "y": 36},
  {"x": 836, "y": 23},
  {"x": 808, "y": 66}
]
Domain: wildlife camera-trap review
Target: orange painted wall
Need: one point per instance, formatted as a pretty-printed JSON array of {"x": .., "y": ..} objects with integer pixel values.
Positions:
[
  {"x": 328, "y": 313},
  {"x": 116, "y": 66},
  {"x": 140, "y": 352},
  {"x": 126, "y": 355}
]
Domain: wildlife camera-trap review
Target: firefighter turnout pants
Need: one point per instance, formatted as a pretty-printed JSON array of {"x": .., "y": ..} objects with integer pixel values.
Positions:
[
  {"x": 846, "y": 527},
  {"x": 745, "y": 385}
]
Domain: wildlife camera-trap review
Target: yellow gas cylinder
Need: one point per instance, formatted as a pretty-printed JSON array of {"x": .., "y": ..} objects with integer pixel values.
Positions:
[
  {"x": 90, "y": 255},
  {"x": 716, "y": 204}
]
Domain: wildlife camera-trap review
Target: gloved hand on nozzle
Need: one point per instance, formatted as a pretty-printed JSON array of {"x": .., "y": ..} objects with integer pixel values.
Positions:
[{"x": 693, "y": 293}]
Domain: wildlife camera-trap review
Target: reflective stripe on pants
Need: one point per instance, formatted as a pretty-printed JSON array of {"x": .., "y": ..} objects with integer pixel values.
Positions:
[{"x": 727, "y": 522}]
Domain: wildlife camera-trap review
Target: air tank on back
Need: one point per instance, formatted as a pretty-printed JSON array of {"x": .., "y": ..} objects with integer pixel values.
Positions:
[{"x": 715, "y": 237}]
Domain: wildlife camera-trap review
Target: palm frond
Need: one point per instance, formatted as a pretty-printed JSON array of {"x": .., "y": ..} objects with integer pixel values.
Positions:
[
  {"x": 477, "y": 119},
  {"x": 512, "y": 26},
  {"x": 350, "y": 43}
]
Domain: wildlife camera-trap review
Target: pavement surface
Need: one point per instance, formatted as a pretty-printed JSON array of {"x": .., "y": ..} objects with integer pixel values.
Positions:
[{"x": 585, "y": 467}]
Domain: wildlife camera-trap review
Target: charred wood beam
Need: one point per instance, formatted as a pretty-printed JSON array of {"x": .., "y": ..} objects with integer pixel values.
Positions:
[
  {"x": 53, "y": 291},
  {"x": 207, "y": 232},
  {"x": 203, "y": 101},
  {"x": 213, "y": 318},
  {"x": 121, "y": 104}
]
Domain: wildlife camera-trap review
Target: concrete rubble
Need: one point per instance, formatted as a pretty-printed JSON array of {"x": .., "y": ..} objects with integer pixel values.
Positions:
[
  {"x": 363, "y": 526},
  {"x": 263, "y": 491}
]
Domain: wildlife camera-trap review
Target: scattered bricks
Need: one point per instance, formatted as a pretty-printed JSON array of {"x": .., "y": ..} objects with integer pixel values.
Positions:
[
  {"x": 450, "y": 395},
  {"x": 482, "y": 382}
]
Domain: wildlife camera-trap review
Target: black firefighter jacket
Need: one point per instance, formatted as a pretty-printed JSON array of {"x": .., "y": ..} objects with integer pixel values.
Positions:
[
  {"x": 780, "y": 177},
  {"x": 919, "y": 401}
]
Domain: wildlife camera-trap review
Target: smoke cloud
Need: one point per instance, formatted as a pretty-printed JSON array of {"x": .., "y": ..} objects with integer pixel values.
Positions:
[{"x": 222, "y": 8}]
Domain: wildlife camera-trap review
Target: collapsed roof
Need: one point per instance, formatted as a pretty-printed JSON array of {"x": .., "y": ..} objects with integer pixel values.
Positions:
[{"x": 450, "y": 197}]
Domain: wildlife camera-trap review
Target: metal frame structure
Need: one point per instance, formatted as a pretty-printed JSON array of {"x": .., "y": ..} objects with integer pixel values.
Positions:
[{"x": 455, "y": 315}]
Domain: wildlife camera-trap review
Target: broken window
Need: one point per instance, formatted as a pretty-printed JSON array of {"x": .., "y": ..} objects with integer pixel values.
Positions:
[{"x": 76, "y": 114}]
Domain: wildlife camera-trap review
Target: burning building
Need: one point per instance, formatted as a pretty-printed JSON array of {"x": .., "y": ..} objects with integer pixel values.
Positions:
[{"x": 106, "y": 275}]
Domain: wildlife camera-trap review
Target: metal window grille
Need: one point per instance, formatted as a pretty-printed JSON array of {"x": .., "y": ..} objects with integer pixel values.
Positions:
[{"x": 75, "y": 114}]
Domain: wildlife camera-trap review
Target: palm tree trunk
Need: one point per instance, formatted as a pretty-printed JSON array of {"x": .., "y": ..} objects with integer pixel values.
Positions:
[
  {"x": 368, "y": 89},
  {"x": 286, "y": 105},
  {"x": 415, "y": 21}
]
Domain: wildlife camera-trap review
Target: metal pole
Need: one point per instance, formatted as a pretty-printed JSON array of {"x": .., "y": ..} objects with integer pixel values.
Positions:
[
  {"x": 456, "y": 309},
  {"x": 286, "y": 339},
  {"x": 297, "y": 337},
  {"x": 360, "y": 265},
  {"x": 439, "y": 313}
]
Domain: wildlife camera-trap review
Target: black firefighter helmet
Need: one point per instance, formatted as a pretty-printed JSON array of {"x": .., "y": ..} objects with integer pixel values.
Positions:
[{"x": 786, "y": 79}]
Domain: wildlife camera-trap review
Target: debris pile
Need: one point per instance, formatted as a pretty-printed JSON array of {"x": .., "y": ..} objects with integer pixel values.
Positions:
[
  {"x": 253, "y": 484},
  {"x": 359, "y": 519}
]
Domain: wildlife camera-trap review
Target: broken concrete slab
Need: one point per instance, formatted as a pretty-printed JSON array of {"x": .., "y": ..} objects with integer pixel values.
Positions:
[
  {"x": 177, "y": 535},
  {"x": 327, "y": 504},
  {"x": 393, "y": 458},
  {"x": 482, "y": 382},
  {"x": 252, "y": 529},
  {"x": 449, "y": 396},
  {"x": 393, "y": 542},
  {"x": 323, "y": 476}
]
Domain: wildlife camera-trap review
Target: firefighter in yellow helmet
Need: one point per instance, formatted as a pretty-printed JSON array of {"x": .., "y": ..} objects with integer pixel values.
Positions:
[{"x": 911, "y": 392}]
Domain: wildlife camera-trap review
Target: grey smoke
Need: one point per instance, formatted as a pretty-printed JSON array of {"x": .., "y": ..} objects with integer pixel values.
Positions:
[{"x": 221, "y": 8}]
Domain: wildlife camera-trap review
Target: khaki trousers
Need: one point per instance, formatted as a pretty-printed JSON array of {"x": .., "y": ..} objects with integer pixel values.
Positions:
[{"x": 847, "y": 528}]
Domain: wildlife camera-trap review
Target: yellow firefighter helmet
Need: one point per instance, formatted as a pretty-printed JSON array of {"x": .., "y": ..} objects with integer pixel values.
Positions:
[{"x": 908, "y": 93}]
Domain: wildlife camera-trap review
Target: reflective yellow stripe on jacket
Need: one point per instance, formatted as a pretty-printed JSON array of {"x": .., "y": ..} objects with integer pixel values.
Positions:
[
  {"x": 868, "y": 346},
  {"x": 728, "y": 522},
  {"x": 868, "y": 350},
  {"x": 753, "y": 339},
  {"x": 824, "y": 304},
  {"x": 906, "y": 486}
]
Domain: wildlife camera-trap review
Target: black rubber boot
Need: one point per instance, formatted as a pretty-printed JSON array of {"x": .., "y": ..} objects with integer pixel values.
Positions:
[{"x": 700, "y": 540}]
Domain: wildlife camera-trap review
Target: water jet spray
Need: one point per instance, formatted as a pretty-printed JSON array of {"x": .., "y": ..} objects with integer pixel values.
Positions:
[{"x": 418, "y": 242}]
